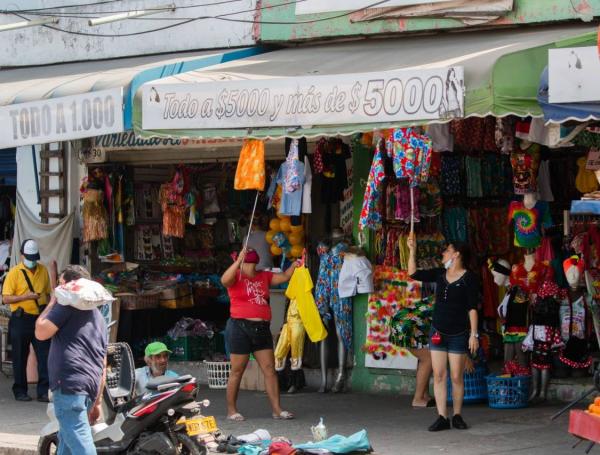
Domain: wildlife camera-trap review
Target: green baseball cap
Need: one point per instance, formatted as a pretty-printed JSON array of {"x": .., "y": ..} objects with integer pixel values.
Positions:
[{"x": 156, "y": 348}]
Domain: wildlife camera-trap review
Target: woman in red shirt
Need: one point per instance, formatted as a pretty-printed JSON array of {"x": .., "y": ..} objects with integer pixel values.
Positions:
[{"x": 248, "y": 329}]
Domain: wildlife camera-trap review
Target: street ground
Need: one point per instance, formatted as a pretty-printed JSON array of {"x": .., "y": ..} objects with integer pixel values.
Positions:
[{"x": 394, "y": 428}]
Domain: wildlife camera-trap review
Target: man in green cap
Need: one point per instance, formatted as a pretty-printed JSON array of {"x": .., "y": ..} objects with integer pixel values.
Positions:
[{"x": 156, "y": 357}]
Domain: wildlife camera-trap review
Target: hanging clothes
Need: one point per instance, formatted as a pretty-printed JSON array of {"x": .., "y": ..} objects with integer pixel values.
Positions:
[
  {"x": 291, "y": 339},
  {"x": 95, "y": 218},
  {"x": 528, "y": 223},
  {"x": 451, "y": 168},
  {"x": 299, "y": 290},
  {"x": 544, "y": 185},
  {"x": 291, "y": 178},
  {"x": 370, "y": 216},
  {"x": 411, "y": 154},
  {"x": 586, "y": 181},
  {"x": 473, "y": 174},
  {"x": 250, "y": 172},
  {"x": 307, "y": 188},
  {"x": 327, "y": 295},
  {"x": 525, "y": 164}
]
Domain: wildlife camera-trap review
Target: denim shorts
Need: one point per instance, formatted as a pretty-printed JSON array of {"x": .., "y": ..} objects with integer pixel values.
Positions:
[
  {"x": 245, "y": 337},
  {"x": 453, "y": 344}
]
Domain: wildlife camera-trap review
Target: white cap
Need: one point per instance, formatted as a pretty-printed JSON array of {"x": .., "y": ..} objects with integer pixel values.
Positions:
[{"x": 30, "y": 249}]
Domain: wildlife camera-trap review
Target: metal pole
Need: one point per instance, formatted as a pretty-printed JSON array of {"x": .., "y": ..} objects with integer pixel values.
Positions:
[{"x": 36, "y": 175}]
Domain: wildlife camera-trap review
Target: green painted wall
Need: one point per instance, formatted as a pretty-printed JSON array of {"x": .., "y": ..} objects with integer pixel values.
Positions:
[
  {"x": 525, "y": 12},
  {"x": 370, "y": 379}
]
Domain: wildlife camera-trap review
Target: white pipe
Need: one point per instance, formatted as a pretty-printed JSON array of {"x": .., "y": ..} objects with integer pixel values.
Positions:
[
  {"x": 131, "y": 14},
  {"x": 25, "y": 24}
]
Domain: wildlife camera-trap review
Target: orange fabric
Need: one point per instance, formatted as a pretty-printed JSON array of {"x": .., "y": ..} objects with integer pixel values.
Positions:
[{"x": 250, "y": 172}]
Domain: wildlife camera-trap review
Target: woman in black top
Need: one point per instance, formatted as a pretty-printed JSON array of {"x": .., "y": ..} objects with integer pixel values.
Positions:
[{"x": 454, "y": 325}]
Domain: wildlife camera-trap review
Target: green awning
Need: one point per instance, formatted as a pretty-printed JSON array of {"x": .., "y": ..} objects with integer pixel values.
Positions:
[{"x": 502, "y": 70}]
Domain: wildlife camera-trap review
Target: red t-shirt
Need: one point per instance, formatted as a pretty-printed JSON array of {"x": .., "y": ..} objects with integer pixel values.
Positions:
[{"x": 249, "y": 297}]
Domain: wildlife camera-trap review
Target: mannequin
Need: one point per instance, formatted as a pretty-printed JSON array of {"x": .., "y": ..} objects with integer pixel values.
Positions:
[
  {"x": 573, "y": 315},
  {"x": 543, "y": 338},
  {"x": 331, "y": 305}
]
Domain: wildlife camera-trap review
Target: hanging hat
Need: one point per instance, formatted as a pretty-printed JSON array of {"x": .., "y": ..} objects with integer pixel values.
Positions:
[
  {"x": 495, "y": 266},
  {"x": 573, "y": 261}
]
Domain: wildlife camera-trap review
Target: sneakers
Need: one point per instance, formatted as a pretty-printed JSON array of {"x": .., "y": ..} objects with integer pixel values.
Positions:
[
  {"x": 458, "y": 422},
  {"x": 442, "y": 423}
]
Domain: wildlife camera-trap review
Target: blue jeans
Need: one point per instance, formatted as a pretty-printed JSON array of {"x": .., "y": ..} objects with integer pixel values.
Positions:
[{"x": 75, "y": 433}]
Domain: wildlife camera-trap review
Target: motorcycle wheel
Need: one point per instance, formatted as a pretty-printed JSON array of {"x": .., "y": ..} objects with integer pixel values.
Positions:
[
  {"x": 189, "y": 446},
  {"x": 48, "y": 445}
]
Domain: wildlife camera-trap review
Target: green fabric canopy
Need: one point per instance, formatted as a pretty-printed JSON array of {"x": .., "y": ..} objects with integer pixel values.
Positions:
[{"x": 502, "y": 70}]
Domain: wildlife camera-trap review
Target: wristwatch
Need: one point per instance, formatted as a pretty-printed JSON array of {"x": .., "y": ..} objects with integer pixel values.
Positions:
[{"x": 476, "y": 335}]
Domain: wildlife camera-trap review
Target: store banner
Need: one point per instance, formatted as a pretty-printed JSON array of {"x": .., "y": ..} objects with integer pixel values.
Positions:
[
  {"x": 386, "y": 96},
  {"x": 61, "y": 119},
  {"x": 573, "y": 74},
  {"x": 129, "y": 141}
]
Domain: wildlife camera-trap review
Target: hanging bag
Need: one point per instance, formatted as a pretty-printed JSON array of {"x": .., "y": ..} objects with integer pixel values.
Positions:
[{"x": 250, "y": 173}]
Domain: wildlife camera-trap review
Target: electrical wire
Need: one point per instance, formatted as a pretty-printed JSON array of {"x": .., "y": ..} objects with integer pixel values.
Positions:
[
  {"x": 222, "y": 17},
  {"x": 37, "y": 10},
  {"x": 58, "y": 7}
]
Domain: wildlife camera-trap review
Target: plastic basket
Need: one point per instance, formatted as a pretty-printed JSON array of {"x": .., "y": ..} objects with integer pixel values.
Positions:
[
  {"x": 218, "y": 374},
  {"x": 508, "y": 393},
  {"x": 476, "y": 390}
]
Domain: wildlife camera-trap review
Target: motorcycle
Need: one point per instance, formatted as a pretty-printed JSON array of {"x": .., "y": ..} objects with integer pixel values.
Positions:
[{"x": 161, "y": 421}]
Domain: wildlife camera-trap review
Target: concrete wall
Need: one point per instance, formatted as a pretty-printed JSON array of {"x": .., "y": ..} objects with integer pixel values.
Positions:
[
  {"x": 301, "y": 29},
  {"x": 41, "y": 45}
]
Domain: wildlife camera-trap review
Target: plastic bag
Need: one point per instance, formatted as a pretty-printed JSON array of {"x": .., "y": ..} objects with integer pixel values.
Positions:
[{"x": 83, "y": 294}]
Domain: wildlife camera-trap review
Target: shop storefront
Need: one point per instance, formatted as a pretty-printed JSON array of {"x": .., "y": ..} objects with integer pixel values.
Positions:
[{"x": 479, "y": 167}]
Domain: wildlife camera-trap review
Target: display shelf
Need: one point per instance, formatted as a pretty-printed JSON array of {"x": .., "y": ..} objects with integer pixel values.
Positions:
[{"x": 584, "y": 425}]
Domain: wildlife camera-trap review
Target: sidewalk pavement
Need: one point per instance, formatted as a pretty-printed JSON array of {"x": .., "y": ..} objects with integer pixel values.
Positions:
[{"x": 394, "y": 428}]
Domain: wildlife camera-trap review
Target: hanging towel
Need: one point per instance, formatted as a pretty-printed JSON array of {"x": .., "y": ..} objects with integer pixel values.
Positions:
[{"x": 250, "y": 173}]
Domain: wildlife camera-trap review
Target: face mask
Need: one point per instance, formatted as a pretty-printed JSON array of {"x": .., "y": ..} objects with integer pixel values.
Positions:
[
  {"x": 29, "y": 264},
  {"x": 448, "y": 263}
]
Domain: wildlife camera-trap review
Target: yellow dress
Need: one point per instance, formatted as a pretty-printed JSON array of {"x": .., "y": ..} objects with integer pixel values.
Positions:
[
  {"x": 586, "y": 181},
  {"x": 302, "y": 318}
]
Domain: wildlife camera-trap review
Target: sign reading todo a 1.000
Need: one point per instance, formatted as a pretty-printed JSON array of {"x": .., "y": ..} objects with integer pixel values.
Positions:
[
  {"x": 59, "y": 119},
  {"x": 386, "y": 96}
]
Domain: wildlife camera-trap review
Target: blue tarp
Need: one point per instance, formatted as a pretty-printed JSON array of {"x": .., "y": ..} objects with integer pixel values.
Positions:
[{"x": 562, "y": 112}]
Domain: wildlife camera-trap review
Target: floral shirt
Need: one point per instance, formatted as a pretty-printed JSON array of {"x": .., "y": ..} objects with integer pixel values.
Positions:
[
  {"x": 370, "y": 215},
  {"x": 411, "y": 154}
]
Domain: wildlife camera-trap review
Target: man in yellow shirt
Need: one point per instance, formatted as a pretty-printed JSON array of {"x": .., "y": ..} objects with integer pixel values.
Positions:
[{"x": 27, "y": 289}]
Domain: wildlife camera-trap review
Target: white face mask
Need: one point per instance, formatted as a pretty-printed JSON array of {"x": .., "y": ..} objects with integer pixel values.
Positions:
[
  {"x": 448, "y": 263},
  {"x": 29, "y": 264}
]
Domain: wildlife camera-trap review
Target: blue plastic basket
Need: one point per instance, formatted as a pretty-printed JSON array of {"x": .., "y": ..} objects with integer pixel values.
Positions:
[
  {"x": 508, "y": 393},
  {"x": 475, "y": 386}
]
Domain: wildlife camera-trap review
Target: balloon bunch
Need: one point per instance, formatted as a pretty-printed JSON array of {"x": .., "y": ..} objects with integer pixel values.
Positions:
[{"x": 285, "y": 238}]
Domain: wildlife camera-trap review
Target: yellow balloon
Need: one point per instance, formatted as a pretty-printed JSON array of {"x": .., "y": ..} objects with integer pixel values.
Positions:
[
  {"x": 274, "y": 224},
  {"x": 297, "y": 251},
  {"x": 285, "y": 225},
  {"x": 275, "y": 250},
  {"x": 297, "y": 229},
  {"x": 269, "y": 236},
  {"x": 296, "y": 238}
]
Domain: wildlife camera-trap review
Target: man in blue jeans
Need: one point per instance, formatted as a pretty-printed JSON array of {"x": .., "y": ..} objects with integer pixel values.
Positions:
[{"x": 76, "y": 366}]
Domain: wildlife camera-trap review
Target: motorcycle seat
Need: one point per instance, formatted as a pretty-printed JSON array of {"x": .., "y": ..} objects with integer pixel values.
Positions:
[{"x": 154, "y": 383}]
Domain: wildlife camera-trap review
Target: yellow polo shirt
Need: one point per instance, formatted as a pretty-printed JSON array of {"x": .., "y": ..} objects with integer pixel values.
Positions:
[{"x": 15, "y": 284}]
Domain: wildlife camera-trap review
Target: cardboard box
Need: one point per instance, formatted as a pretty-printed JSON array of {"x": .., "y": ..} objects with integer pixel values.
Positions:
[{"x": 253, "y": 378}]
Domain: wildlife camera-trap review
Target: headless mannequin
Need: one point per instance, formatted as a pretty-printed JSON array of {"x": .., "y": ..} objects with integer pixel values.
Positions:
[{"x": 337, "y": 238}]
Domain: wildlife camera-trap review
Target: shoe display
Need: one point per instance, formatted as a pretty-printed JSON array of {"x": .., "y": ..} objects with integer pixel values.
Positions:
[
  {"x": 23, "y": 398},
  {"x": 442, "y": 423},
  {"x": 459, "y": 423}
]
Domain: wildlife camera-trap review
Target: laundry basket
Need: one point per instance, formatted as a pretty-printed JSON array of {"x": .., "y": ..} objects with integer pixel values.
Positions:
[
  {"x": 476, "y": 390},
  {"x": 217, "y": 374},
  {"x": 508, "y": 392}
]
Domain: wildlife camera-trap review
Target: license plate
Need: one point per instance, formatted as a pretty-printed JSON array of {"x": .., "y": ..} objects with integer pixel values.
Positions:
[{"x": 200, "y": 426}]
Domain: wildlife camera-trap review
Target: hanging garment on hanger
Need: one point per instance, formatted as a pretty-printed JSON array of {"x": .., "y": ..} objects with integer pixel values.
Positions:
[
  {"x": 525, "y": 164},
  {"x": 370, "y": 215},
  {"x": 307, "y": 188},
  {"x": 528, "y": 222},
  {"x": 585, "y": 181},
  {"x": 250, "y": 173},
  {"x": 299, "y": 291}
]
